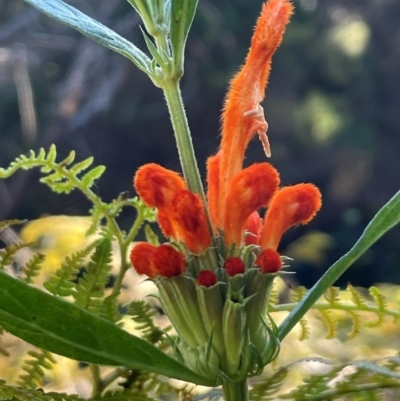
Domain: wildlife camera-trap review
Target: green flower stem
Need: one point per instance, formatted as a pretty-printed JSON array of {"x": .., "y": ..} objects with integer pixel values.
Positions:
[
  {"x": 124, "y": 249},
  {"x": 387, "y": 217},
  {"x": 236, "y": 391},
  {"x": 183, "y": 138},
  {"x": 184, "y": 142}
]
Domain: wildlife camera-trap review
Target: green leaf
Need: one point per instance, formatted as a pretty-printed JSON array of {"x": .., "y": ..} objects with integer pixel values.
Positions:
[
  {"x": 182, "y": 14},
  {"x": 63, "y": 328},
  {"x": 93, "y": 29},
  {"x": 383, "y": 221}
]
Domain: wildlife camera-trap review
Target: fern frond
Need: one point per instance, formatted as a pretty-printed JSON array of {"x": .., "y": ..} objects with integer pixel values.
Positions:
[
  {"x": 89, "y": 292},
  {"x": 270, "y": 385},
  {"x": 110, "y": 310},
  {"x": 332, "y": 295},
  {"x": 58, "y": 176},
  {"x": 143, "y": 314},
  {"x": 355, "y": 324},
  {"x": 381, "y": 303},
  {"x": 32, "y": 267},
  {"x": 35, "y": 368},
  {"x": 358, "y": 378},
  {"x": 330, "y": 323},
  {"x": 149, "y": 383},
  {"x": 305, "y": 329},
  {"x": 350, "y": 302},
  {"x": 7, "y": 254},
  {"x": 123, "y": 396},
  {"x": 97, "y": 217},
  {"x": 61, "y": 282},
  {"x": 14, "y": 393},
  {"x": 356, "y": 297},
  {"x": 298, "y": 293}
]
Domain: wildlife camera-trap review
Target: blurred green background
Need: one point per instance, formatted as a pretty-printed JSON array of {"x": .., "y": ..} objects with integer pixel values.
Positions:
[{"x": 333, "y": 107}]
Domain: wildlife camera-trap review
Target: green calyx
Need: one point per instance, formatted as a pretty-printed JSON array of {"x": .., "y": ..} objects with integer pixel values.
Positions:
[{"x": 224, "y": 330}]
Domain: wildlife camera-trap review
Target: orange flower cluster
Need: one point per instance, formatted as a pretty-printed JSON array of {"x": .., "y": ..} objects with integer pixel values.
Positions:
[{"x": 235, "y": 195}]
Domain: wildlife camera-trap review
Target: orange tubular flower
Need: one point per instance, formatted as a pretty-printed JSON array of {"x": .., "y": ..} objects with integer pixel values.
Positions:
[
  {"x": 192, "y": 221},
  {"x": 154, "y": 261},
  {"x": 248, "y": 190},
  {"x": 142, "y": 259},
  {"x": 292, "y": 205},
  {"x": 243, "y": 115},
  {"x": 158, "y": 186},
  {"x": 234, "y": 195},
  {"x": 168, "y": 261}
]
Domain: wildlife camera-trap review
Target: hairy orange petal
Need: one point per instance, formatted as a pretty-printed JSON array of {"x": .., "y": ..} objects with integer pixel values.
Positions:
[
  {"x": 213, "y": 189},
  {"x": 192, "y": 221},
  {"x": 168, "y": 261},
  {"x": 142, "y": 258},
  {"x": 247, "y": 90},
  {"x": 157, "y": 186},
  {"x": 252, "y": 228},
  {"x": 249, "y": 190},
  {"x": 292, "y": 205},
  {"x": 168, "y": 226}
]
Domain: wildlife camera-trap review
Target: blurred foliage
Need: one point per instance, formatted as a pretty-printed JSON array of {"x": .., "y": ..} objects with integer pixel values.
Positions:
[{"x": 332, "y": 108}]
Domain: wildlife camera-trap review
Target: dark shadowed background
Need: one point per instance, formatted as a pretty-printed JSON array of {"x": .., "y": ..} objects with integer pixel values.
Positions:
[{"x": 333, "y": 107}]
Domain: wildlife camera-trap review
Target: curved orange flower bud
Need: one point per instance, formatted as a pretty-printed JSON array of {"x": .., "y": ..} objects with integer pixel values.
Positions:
[
  {"x": 168, "y": 261},
  {"x": 207, "y": 278},
  {"x": 249, "y": 189},
  {"x": 213, "y": 189},
  {"x": 269, "y": 261},
  {"x": 234, "y": 265},
  {"x": 292, "y": 205},
  {"x": 243, "y": 116},
  {"x": 157, "y": 186},
  {"x": 191, "y": 220},
  {"x": 142, "y": 259},
  {"x": 167, "y": 225},
  {"x": 253, "y": 227}
]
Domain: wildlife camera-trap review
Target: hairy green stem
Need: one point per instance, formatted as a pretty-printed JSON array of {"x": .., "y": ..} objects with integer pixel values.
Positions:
[
  {"x": 184, "y": 144},
  {"x": 238, "y": 391},
  {"x": 183, "y": 138},
  {"x": 124, "y": 248}
]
